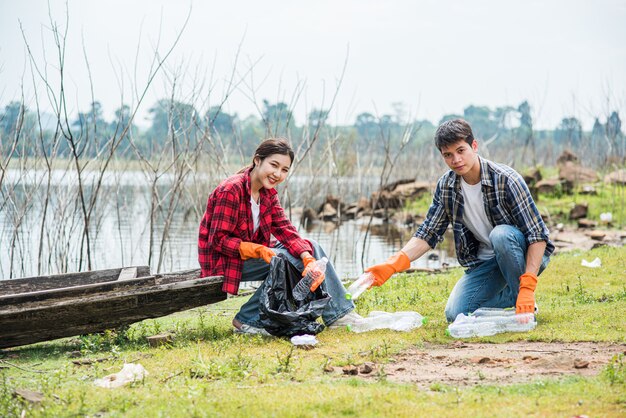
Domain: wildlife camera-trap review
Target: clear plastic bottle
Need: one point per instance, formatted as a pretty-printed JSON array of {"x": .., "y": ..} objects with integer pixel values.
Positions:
[
  {"x": 361, "y": 284},
  {"x": 308, "y": 283},
  {"x": 486, "y": 321},
  {"x": 397, "y": 321}
]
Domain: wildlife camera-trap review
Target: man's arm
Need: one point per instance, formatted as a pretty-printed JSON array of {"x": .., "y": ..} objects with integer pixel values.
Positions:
[
  {"x": 415, "y": 248},
  {"x": 534, "y": 256}
]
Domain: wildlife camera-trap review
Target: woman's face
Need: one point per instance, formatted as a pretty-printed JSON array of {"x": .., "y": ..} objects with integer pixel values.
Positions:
[{"x": 271, "y": 171}]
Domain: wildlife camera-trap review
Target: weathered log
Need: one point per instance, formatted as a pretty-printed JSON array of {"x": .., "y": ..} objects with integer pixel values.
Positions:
[
  {"x": 33, "y": 284},
  {"x": 41, "y": 297},
  {"x": 94, "y": 311}
]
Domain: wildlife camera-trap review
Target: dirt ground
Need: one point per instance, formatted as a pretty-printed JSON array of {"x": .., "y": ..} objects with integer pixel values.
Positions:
[{"x": 467, "y": 364}]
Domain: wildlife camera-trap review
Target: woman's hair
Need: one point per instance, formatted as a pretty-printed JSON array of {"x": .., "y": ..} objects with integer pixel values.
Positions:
[{"x": 269, "y": 147}]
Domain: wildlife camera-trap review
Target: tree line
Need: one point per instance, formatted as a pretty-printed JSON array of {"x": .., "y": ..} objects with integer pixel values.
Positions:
[{"x": 501, "y": 129}]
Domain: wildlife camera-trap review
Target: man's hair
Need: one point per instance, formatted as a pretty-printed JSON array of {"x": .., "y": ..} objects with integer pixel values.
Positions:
[{"x": 452, "y": 131}]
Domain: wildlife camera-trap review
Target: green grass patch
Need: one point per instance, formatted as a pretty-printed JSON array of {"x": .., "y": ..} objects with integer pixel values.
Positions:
[{"x": 209, "y": 371}]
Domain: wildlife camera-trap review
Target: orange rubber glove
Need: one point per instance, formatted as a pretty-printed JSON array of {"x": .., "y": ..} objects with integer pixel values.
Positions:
[
  {"x": 251, "y": 250},
  {"x": 310, "y": 265},
  {"x": 526, "y": 297},
  {"x": 394, "y": 264}
]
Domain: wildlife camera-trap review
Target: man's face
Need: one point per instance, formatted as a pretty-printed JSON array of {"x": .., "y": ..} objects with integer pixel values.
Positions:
[{"x": 461, "y": 157}]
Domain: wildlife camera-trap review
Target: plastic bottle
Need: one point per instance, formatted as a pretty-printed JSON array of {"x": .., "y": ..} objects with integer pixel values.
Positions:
[
  {"x": 309, "y": 283},
  {"x": 467, "y": 326},
  {"x": 397, "y": 321},
  {"x": 361, "y": 284},
  {"x": 488, "y": 321}
]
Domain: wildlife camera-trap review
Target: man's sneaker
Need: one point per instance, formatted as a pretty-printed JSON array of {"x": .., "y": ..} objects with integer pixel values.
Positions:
[
  {"x": 349, "y": 319},
  {"x": 249, "y": 329}
]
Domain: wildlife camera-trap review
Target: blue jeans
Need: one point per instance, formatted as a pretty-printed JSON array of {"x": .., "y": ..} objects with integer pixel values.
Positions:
[
  {"x": 256, "y": 269},
  {"x": 495, "y": 282}
]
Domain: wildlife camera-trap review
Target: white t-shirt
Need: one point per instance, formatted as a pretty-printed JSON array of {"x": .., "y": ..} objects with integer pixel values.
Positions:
[
  {"x": 256, "y": 214},
  {"x": 475, "y": 218}
]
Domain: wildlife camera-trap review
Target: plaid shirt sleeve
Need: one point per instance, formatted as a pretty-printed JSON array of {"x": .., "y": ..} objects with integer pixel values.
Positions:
[
  {"x": 524, "y": 211},
  {"x": 285, "y": 232},
  {"x": 437, "y": 219},
  {"x": 217, "y": 226}
]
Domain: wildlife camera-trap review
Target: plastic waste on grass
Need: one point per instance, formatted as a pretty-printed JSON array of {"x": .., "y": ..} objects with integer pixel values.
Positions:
[
  {"x": 129, "y": 373},
  {"x": 397, "y": 321},
  {"x": 490, "y": 321},
  {"x": 592, "y": 264},
  {"x": 304, "y": 340},
  {"x": 361, "y": 284},
  {"x": 310, "y": 283}
]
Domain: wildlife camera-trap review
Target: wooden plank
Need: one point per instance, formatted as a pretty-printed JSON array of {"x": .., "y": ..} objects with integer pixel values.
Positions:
[
  {"x": 104, "y": 311},
  {"x": 33, "y": 284},
  {"x": 43, "y": 297},
  {"x": 128, "y": 273}
]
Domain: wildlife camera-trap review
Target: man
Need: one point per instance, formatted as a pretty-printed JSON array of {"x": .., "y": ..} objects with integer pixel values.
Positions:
[{"x": 498, "y": 233}]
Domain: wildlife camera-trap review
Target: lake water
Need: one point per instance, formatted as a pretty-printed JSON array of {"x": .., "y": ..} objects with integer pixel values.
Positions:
[{"x": 121, "y": 226}]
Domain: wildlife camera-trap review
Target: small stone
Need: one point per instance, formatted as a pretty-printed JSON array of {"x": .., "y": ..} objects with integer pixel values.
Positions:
[
  {"x": 350, "y": 370},
  {"x": 366, "y": 369},
  {"x": 74, "y": 354},
  {"x": 581, "y": 364},
  {"x": 29, "y": 395},
  {"x": 597, "y": 235},
  {"x": 160, "y": 339}
]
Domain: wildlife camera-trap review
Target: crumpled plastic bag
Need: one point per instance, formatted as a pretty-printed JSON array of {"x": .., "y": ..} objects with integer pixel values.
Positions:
[
  {"x": 304, "y": 340},
  {"x": 129, "y": 373},
  {"x": 593, "y": 264},
  {"x": 396, "y": 321},
  {"x": 282, "y": 315}
]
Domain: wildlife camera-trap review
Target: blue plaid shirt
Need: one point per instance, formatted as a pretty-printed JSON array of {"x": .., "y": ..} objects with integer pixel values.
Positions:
[{"x": 507, "y": 202}]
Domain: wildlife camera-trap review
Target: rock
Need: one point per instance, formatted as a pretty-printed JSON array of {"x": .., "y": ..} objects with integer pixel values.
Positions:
[
  {"x": 28, "y": 395},
  {"x": 392, "y": 186},
  {"x": 394, "y": 195},
  {"x": 616, "y": 177},
  {"x": 308, "y": 216},
  {"x": 350, "y": 370},
  {"x": 386, "y": 200},
  {"x": 532, "y": 177},
  {"x": 587, "y": 223},
  {"x": 597, "y": 235},
  {"x": 366, "y": 368},
  {"x": 352, "y": 212},
  {"x": 576, "y": 174},
  {"x": 548, "y": 186},
  {"x": 160, "y": 339},
  {"x": 579, "y": 211},
  {"x": 74, "y": 354},
  {"x": 566, "y": 156},
  {"x": 581, "y": 364},
  {"x": 328, "y": 212}
]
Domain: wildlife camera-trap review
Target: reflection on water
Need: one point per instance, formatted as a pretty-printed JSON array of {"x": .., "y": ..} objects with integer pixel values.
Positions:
[
  {"x": 120, "y": 233},
  {"x": 352, "y": 248}
]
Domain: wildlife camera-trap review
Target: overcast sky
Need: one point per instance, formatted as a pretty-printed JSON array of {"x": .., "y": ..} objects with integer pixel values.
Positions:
[{"x": 567, "y": 58}]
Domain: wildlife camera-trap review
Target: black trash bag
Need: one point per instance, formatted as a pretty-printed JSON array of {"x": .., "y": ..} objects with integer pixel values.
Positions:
[{"x": 282, "y": 315}]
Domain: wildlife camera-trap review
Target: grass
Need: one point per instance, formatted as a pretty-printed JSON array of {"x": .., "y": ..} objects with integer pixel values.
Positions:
[
  {"x": 209, "y": 371},
  {"x": 609, "y": 198}
]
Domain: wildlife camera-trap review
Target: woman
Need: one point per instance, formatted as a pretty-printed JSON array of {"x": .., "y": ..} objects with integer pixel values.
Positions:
[{"x": 234, "y": 239}]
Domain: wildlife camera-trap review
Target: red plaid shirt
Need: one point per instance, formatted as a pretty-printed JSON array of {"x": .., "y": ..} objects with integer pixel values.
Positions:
[{"x": 228, "y": 221}]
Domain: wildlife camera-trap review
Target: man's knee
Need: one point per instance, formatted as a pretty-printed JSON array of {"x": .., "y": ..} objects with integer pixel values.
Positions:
[
  {"x": 451, "y": 311},
  {"x": 502, "y": 236}
]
